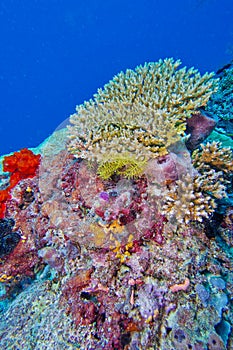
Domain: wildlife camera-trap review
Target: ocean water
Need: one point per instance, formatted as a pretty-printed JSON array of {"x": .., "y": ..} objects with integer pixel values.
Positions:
[
  {"x": 55, "y": 54},
  {"x": 117, "y": 232}
]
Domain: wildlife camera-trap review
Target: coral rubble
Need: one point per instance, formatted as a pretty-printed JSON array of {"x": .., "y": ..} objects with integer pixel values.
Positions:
[{"x": 120, "y": 237}]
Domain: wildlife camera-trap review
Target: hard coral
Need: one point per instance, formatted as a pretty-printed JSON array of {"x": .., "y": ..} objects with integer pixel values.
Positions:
[
  {"x": 139, "y": 113},
  {"x": 185, "y": 202},
  {"x": 213, "y": 156},
  {"x": 214, "y": 164}
]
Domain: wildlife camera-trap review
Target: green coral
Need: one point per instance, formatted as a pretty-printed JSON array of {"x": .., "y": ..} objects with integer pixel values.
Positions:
[{"x": 141, "y": 112}]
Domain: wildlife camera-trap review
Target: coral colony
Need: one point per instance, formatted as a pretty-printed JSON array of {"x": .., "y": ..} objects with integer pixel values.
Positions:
[{"x": 116, "y": 232}]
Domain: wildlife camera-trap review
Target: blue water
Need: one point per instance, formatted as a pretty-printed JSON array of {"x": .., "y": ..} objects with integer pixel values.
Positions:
[{"x": 54, "y": 54}]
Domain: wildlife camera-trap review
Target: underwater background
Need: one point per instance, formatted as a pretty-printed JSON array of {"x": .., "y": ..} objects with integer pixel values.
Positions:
[
  {"x": 55, "y": 54},
  {"x": 116, "y": 218}
]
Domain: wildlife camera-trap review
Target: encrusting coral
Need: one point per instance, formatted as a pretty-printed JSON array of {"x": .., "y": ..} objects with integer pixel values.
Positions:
[{"x": 139, "y": 115}]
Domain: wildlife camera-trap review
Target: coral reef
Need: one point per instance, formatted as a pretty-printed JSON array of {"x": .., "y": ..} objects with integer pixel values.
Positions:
[
  {"x": 8, "y": 239},
  {"x": 120, "y": 237},
  {"x": 219, "y": 107},
  {"x": 220, "y": 103},
  {"x": 138, "y": 114},
  {"x": 213, "y": 156}
]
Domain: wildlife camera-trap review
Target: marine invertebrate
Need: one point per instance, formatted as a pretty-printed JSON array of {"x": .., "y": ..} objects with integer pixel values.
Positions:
[
  {"x": 122, "y": 164},
  {"x": 220, "y": 104},
  {"x": 138, "y": 115},
  {"x": 4, "y": 195},
  {"x": 214, "y": 164},
  {"x": 199, "y": 126},
  {"x": 194, "y": 196},
  {"x": 213, "y": 156},
  {"x": 21, "y": 165},
  {"x": 180, "y": 286},
  {"x": 8, "y": 239},
  {"x": 185, "y": 201}
]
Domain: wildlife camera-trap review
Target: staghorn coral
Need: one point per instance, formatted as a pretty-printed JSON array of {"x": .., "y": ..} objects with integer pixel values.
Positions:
[
  {"x": 213, "y": 183},
  {"x": 213, "y": 156},
  {"x": 139, "y": 113}
]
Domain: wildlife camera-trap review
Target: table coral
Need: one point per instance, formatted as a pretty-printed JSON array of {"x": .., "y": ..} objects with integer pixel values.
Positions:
[{"x": 138, "y": 115}]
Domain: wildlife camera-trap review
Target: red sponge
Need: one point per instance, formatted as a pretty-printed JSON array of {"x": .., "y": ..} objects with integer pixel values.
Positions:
[{"x": 21, "y": 165}]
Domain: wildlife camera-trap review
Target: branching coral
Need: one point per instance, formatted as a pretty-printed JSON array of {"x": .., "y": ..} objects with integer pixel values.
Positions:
[
  {"x": 213, "y": 156},
  {"x": 214, "y": 164},
  {"x": 140, "y": 112},
  {"x": 213, "y": 183},
  {"x": 186, "y": 201}
]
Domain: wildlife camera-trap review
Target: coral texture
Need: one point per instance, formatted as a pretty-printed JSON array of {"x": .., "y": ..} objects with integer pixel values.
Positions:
[
  {"x": 220, "y": 104},
  {"x": 127, "y": 243},
  {"x": 213, "y": 156},
  {"x": 138, "y": 114}
]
